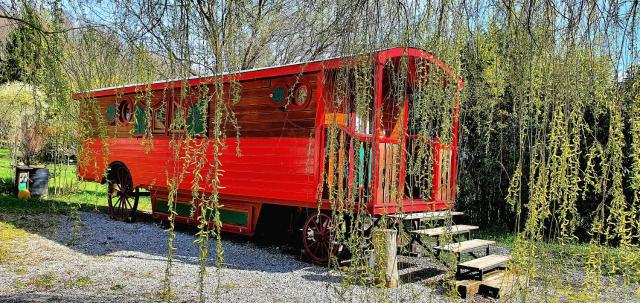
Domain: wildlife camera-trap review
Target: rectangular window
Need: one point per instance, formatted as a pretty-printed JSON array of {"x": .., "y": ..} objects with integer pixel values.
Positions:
[
  {"x": 188, "y": 111},
  {"x": 352, "y": 94},
  {"x": 179, "y": 119},
  {"x": 395, "y": 94},
  {"x": 159, "y": 119}
]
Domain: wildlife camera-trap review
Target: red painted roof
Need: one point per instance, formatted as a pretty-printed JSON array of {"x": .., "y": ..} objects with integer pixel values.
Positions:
[{"x": 379, "y": 56}]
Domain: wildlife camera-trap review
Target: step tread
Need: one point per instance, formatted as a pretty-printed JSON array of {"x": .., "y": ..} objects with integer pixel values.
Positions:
[
  {"x": 468, "y": 288},
  {"x": 490, "y": 261},
  {"x": 497, "y": 281},
  {"x": 499, "y": 286},
  {"x": 464, "y": 246},
  {"x": 453, "y": 230},
  {"x": 428, "y": 215}
]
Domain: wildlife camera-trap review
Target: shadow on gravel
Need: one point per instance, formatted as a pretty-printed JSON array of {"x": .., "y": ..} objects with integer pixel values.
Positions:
[
  {"x": 420, "y": 275},
  {"x": 323, "y": 277},
  {"x": 69, "y": 298},
  {"x": 96, "y": 234}
]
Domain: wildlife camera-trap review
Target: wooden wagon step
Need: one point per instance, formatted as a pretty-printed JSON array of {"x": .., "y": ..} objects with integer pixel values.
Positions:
[
  {"x": 476, "y": 268},
  {"x": 495, "y": 284},
  {"x": 468, "y": 288},
  {"x": 426, "y": 216},
  {"x": 465, "y": 246},
  {"x": 485, "y": 263},
  {"x": 452, "y": 230},
  {"x": 497, "y": 287}
]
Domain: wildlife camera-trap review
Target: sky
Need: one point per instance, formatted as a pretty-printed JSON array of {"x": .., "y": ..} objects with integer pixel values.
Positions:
[{"x": 624, "y": 47}]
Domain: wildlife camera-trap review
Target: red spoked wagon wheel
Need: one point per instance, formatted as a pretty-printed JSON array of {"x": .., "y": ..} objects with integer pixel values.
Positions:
[
  {"x": 316, "y": 238},
  {"x": 123, "y": 198}
]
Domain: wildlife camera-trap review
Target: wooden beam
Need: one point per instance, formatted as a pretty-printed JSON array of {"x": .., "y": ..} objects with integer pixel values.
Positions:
[
  {"x": 469, "y": 288},
  {"x": 386, "y": 259}
]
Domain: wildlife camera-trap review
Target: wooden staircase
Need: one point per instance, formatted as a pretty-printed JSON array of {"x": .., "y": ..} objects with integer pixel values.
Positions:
[
  {"x": 459, "y": 248},
  {"x": 480, "y": 272},
  {"x": 476, "y": 268},
  {"x": 451, "y": 230}
]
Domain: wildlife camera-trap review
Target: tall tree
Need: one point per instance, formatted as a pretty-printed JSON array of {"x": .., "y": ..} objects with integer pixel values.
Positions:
[{"x": 24, "y": 52}]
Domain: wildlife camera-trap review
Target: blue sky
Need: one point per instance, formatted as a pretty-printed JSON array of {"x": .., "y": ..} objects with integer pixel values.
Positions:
[{"x": 623, "y": 52}]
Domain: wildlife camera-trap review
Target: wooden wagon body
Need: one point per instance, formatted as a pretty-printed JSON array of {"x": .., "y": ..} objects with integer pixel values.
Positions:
[{"x": 282, "y": 144}]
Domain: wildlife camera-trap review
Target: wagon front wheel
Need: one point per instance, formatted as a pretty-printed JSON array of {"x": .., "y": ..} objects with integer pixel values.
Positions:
[
  {"x": 122, "y": 196},
  {"x": 316, "y": 238}
]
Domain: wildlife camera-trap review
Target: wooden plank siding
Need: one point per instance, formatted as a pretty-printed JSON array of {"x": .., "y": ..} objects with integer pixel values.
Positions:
[{"x": 277, "y": 146}]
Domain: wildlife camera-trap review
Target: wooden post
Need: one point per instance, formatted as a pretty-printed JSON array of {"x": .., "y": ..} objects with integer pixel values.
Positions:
[{"x": 386, "y": 260}]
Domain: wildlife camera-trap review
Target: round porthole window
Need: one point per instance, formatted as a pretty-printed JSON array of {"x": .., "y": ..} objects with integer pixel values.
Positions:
[
  {"x": 301, "y": 95},
  {"x": 125, "y": 111},
  {"x": 279, "y": 94}
]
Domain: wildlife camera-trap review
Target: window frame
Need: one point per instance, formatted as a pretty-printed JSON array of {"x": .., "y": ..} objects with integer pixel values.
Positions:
[
  {"x": 120, "y": 117},
  {"x": 172, "y": 117},
  {"x": 192, "y": 98},
  {"x": 294, "y": 94},
  {"x": 158, "y": 104}
]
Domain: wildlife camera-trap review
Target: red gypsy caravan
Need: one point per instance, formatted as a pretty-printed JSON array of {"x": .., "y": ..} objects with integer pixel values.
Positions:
[{"x": 282, "y": 165}]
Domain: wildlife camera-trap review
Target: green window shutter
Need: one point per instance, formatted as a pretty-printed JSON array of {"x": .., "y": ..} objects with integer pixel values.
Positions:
[
  {"x": 140, "y": 121},
  {"x": 278, "y": 95},
  {"x": 195, "y": 119},
  {"x": 111, "y": 112}
]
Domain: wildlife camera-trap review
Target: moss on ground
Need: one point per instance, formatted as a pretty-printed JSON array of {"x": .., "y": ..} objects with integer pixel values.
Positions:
[
  {"x": 44, "y": 281},
  {"x": 11, "y": 239}
]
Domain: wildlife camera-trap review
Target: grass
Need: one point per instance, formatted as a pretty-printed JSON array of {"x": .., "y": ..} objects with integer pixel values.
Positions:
[
  {"x": 21, "y": 270},
  {"x": 11, "y": 238},
  {"x": 79, "y": 282},
  {"x": 117, "y": 287},
  {"x": 66, "y": 192},
  {"x": 56, "y": 298},
  {"x": 502, "y": 236},
  {"x": 571, "y": 254},
  {"x": 45, "y": 281},
  {"x": 507, "y": 238}
]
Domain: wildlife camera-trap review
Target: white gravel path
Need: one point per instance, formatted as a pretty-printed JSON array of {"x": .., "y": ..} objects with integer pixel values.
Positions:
[
  {"x": 108, "y": 261},
  {"x": 102, "y": 260}
]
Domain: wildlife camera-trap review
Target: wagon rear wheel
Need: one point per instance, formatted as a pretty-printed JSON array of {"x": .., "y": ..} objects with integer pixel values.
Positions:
[
  {"x": 122, "y": 196},
  {"x": 316, "y": 238}
]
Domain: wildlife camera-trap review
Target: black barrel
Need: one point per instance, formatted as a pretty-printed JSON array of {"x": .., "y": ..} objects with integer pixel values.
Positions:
[{"x": 39, "y": 186}]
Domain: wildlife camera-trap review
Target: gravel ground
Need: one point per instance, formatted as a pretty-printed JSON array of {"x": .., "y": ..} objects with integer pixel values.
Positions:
[
  {"x": 101, "y": 260},
  {"x": 107, "y": 261}
]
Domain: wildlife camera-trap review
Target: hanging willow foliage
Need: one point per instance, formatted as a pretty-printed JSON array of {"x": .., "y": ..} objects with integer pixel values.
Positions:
[{"x": 550, "y": 127}]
